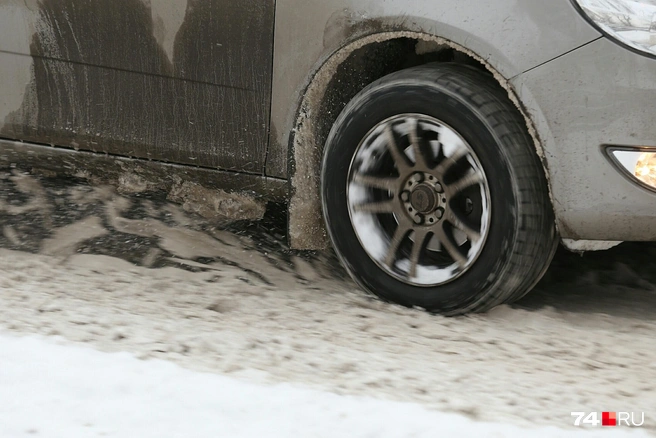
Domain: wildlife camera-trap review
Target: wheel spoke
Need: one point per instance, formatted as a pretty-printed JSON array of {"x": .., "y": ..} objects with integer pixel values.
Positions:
[
  {"x": 415, "y": 141},
  {"x": 471, "y": 233},
  {"x": 448, "y": 162},
  {"x": 382, "y": 183},
  {"x": 399, "y": 235},
  {"x": 419, "y": 241},
  {"x": 464, "y": 183},
  {"x": 386, "y": 206},
  {"x": 399, "y": 158},
  {"x": 418, "y": 200},
  {"x": 450, "y": 246}
]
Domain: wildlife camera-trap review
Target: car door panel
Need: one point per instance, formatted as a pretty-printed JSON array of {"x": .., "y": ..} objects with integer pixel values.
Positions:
[{"x": 184, "y": 81}]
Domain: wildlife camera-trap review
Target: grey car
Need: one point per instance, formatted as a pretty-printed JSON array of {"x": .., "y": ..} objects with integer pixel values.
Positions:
[{"x": 444, "y": 148}]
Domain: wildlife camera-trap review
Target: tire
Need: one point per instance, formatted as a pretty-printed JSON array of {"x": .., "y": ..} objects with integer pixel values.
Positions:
[{"x": 432, "y": 192}]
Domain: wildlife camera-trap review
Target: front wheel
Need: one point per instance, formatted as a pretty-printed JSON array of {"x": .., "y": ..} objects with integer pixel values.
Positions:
[{"x": 433, "y": 194}]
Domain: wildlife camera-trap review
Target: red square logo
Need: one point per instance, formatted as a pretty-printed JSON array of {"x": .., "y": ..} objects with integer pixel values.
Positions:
[{"x": 608, "y": 419}]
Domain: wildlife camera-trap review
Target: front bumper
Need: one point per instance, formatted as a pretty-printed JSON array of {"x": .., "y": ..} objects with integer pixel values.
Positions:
[{"x": 598, "y": 95}]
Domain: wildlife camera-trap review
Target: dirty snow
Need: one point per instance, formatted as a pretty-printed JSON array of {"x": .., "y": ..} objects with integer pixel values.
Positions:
[{"x": 141, "y": 276}]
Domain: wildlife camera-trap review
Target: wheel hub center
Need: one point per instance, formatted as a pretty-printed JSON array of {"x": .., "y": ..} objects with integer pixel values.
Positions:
[{"x": 424, "y": 199}]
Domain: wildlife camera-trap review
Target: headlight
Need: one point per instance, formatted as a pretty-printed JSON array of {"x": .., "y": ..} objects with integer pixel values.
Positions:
[{"x": 632, "y": 22}]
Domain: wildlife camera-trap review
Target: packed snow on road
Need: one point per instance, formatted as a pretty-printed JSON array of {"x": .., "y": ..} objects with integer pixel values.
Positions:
[{"x": 128, "y": 316}]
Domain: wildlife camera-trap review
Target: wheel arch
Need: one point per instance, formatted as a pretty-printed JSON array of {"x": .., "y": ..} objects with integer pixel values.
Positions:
[{"x": 335, "y": 82}]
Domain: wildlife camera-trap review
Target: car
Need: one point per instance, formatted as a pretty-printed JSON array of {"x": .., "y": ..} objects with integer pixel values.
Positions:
[{"x": 444, "y": 148}]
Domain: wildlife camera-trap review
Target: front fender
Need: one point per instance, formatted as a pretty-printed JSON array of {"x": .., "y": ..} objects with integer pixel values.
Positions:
[
  {"x": 511, "y": 36},
  {"x": 313, "y": 40}
]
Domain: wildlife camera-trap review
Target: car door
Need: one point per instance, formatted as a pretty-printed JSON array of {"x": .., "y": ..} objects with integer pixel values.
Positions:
[{"x": 184, "y": 81}]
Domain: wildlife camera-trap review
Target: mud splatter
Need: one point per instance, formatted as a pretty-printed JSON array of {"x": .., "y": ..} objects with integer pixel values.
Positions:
[
  {"x": 217, "y": 205},
  {"x": 102, "y": 82}
]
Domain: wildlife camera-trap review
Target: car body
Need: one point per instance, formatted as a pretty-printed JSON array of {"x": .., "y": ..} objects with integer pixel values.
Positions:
[{"x": 242, "y": 96}]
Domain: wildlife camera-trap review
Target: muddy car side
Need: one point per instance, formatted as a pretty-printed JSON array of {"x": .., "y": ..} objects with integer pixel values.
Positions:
[{"x": 445, "y": 149}]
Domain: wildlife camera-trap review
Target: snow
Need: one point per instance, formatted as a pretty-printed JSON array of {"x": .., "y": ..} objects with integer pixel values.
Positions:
[
  {"x": 514, "y": 366},
  {"x": 57, "y": 390},
  {"x": 304, "y": 346}
]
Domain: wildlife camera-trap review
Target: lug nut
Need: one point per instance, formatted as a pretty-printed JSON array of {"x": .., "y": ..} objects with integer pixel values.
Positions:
[
  {"x": 439, "y": 188},
  {"x": 439, "y": 213},
  {"x": 405, "y": 196},
  {"x": 419, "y": 219}
]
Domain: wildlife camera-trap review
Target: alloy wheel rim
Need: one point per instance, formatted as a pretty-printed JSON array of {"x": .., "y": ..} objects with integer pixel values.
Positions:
[{"x": 418, "y": 200}]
